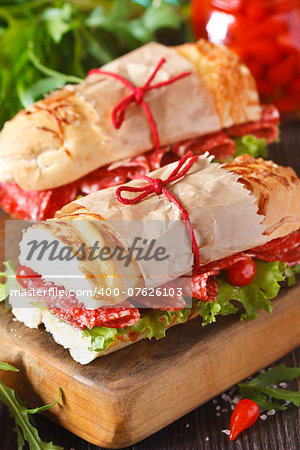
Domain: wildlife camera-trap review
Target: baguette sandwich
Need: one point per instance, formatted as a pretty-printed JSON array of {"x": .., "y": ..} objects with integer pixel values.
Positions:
[
  {"x": 245, "y": 217},
  {"x": 66, "y": 145}
]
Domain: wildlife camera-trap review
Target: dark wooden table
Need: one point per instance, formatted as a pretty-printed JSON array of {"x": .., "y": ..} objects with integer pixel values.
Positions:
[{"x": 202, "y": 428}]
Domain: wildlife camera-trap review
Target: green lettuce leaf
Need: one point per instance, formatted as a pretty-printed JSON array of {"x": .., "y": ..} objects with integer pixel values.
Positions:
[
  {"x": 290, "y": 272},
  {"x": 155, "y": 322},
  {"x": 251, "y": 145},
  {"x": 10, "y": 275},
  {"x": 256, "y": 295},
  {"x": 102, "y": 337}
]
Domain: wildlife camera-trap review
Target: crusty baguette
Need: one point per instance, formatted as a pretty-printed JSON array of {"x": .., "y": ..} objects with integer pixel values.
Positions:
[
  {"x": 277, "y": 192},
  {"x": 274, "y": 190},
  {"x": 70, "y": 133},
  {"x": 232, "y": 208}
]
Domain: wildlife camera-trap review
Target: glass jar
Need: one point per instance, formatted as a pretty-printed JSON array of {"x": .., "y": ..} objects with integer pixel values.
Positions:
[{"x": 266, "y": 34}]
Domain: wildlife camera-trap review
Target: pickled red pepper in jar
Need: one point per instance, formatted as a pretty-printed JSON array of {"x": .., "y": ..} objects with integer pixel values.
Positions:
[{"x": 266, "y": 34}]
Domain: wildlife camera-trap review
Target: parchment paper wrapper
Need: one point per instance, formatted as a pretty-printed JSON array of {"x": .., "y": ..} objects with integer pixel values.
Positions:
[
  {"x": 223, "y": 215},
  {"x": 181, "y": 110}
]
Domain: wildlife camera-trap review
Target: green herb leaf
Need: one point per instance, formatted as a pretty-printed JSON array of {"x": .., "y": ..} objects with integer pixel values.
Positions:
[
  {"x": 5, "y": 366},
  {"x": 58, "y": 21},
  {"x": 275, "y": 375},
  {"x": 258, "y": 397},
  {"x": 259, "y": 390},
  {"x": 26, "y": 431},
  {"x": 37, "y": 90}
]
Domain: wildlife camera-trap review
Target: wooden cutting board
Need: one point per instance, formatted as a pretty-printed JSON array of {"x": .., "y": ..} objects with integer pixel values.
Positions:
[{"x": 124, "y": 397}]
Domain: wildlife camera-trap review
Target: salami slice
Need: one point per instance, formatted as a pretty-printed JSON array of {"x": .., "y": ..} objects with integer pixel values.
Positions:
[
  {"x": 266, "y": 127},
  {"x": 205, "y": 286},
  {"x": 67, "y": 308},
  {"x": 123, "y": 315},
  {"x": 35, "y": 205},
  {"x": 285, "y": 249},
  {"x": 222, "y": 264},
  {"x": 218, "y": 144},
  {"x": 40, "y": 205}
]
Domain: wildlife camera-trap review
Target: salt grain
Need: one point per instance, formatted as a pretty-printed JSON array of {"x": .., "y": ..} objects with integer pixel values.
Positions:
[
  {"x": 271, "y": 412},
  {"x": 226, "y": 432},
  {"x": 187, "y": 425},
  {"x": 218, "y": 408},
  {"x": 283, "y": 385},
  {"x": 223, "y": 410},
  {"x": 218, "y": 414},
  {"x": 263, "y": 417},
  {"x": 207, "y": 438},
  {"x": 232, "y": 407},
  {"x": 226, "y": 398},
  {"x": 236, "y": 400}
]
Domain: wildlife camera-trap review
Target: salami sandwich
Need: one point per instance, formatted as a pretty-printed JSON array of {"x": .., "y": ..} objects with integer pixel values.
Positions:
[
  {"x": 136, "y": 114},
  {"x": 241, "y": 238}
]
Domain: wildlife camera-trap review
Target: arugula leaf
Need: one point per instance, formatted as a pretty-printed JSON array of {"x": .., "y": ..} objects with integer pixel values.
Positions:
[
  {"x": 258, "y": 397},
  {"x": 36, "y": 90},
  {"x": 25, "y": 429},
  {"x": 251, "y": 145},
  {"x": 63, "y": 40},
  {"x": 5, "y": 366},
  {"x": 58, "y": 21},
  {"x": 275, "y": 375},
  {"x": 259, "y": 391}
]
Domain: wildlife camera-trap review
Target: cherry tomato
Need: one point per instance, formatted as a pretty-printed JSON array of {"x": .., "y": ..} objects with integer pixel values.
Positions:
[
  {"x": 242, "y": 273},
  {"x": 244, "y": 415},
  {"x": 24, "y": 273}
]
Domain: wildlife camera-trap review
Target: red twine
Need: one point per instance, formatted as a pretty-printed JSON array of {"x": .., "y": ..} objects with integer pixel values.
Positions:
[
  {"x": 137, "y": 96},
  {"x": 157, "y": 186}
]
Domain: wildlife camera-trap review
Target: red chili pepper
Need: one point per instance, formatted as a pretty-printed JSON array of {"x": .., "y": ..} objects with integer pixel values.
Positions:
[{"x": 244, "y": 415}]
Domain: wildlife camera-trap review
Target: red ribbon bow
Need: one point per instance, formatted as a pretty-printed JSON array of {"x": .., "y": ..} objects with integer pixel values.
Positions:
[
  {"x": 157, "y": 186},
  {"x": 137, "y": 96}
]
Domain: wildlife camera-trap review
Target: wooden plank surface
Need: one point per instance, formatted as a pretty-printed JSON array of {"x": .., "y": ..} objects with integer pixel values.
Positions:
[{"x": 283, "y": 431}]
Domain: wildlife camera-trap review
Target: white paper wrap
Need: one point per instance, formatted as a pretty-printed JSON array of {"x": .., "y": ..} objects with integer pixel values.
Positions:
[
  {"x": 181, "y": 110},
  {"x": 223, "y": 215}
]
